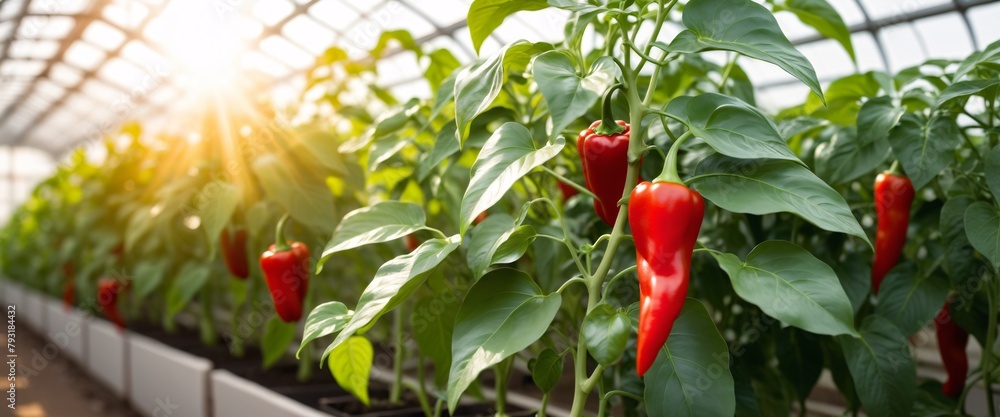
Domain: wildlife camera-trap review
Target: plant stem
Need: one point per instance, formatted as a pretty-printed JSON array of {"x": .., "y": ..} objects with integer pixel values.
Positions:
[
  {"x": 421, "y": 389},
  {"x": 545, "y": 403},
  {"x": 396, "y": 391},
  {"x": 669, "y": 173},
  {"x": 583, "y": 190},
  {"x": 502, "y": 371},
  {"x": 280, "y": 244},
  {"x": 991, "y": 334},
  {"x": 207, "y": 324}
]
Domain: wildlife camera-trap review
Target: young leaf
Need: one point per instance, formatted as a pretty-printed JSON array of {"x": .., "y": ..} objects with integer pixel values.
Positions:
[
  {"x": 789, "y": 283},
  {"x": 275, "y": 340},
  {"x": 876, "y": 119},
  {"x": 771, "y": 186},
  {"x": 881, "y": 368},
  {"x": 731, "y": 127},
  {"x": 504, "y": 313},
  {"x": 216, "y": 203},
  {"x": 497, "y": 240},
  {"x": 691, "y": 376},
  {"x": 382, "y": 222},
  {"x": 924, "y": 146},
  {"x": 744, "y": 27},
  {"x": 507, "y": 156},
  {"x": 821, "y": 16},
  {"x": 445, "y": 145},
  {"x": 963, "y": 89},
  {"x": 191, "y": 278},
  {"x": 568, "y": 95},
  {"x": 982, "y": 226},
  {"x": 546, "y": 370},
  {"x": 910, "y": 299},
  {"x": 486, "y": 15},
  {"x": 351, "y": 364},
  {"x": 845, "y": 158},
  {"x": 325, "y": 319},
  {"x": 606, "y": 330},
  {"x": 394, "y": 283},
  {"x": 989, "y": 55}
]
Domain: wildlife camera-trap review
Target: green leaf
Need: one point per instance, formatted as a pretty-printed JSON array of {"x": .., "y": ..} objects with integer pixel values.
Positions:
[
  {"x": 982, "y": 226},
  {"x": 691, "y": 375},
  {"x": 149, "y": 275},
  {"x": 383, "y": 149},
  {"x": 876, "y": 119},
  {"x": 351, "y": 364},
  {"x": 800, "y": 359},
  {"x": 326, "y": 319},
  {"x": 477, "y": 87},
  {"x": 845, "y": 158},
  {"x": 963, "y": 89},
  {"x": 191, "y": 278},
  {"x": 986, "y": 57},
  {"x": 992, "y": 171},
  {"x": 924, "y": 146},
  {"x": 881, "y": 368},
  {"x": 606, "y": 330},
  {"x": 568, "y": 95},
  {"x": 823, "y": 17},
  {"x": 504, "y": 313},
  {"x": 275, "y": 340},
  {"x": 546, "y": 370},
  {"x": 843, "y": 98},
  {"x": 731, "y": 127},
  {"x": 394, "y": 283},
  {"x": 507, "y": 156},
  {"x": 216, "y": 203},
  {"x": 957, "y": 250},
  {"x": 442, "y": 64},
  {"x": 445, "y": 145},
  {"x": 498, "y": 239},
  {"x": 486, "y": 15},
  {"x": 382, "y": 222},
  {"x": 432, "y": 323},
  {"x": 297, "y": 190},
  {"x": 789, "y": 283},
  {"x": 770, "y": 186},
  {"x": 750, "y": 29},
  {"x": 910, "y": 299}
]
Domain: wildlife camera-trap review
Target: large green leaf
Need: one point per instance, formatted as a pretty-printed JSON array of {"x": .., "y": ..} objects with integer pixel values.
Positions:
[
  {"x": 351, "y": 364},
  {"x": 910, "y": 299},
  {"x": 843, "y": 98},
  {"x": 326, "y": 319},
  {"x": 382, "y": 222},
  {"x": 546, "y": 370},
  {"x": 691, "y": 374},
  {"x": 876, "y": 119},
  {"x": 992, "y": 170},
  {"x": 275, "y": 340},
  {"x": 963, "y": 89},
  {"x": 789, "y": 283},
  {"x": 507, "y": 156},
  {"x": 568, "y": 95},
  {"x": 497, "y": 231},
  {"x": 477, "y": 87},
  {"x": 731, "y": 127},
  {"x": 432, "y": 323},
  {"x": 149, "y": 275},
  {"x": 216, "y": 203},
  {"x": 986, "y": 57},
  {"x": 486, "y": 15},
  {"x": 299, "y": 191},
  {"x": 821, "y": 16},
  {"x": 445, "y": 145},
  {"x": 191, "y": 278},
  {"x": 957, "y": 250},
  {"x": 881, "y": 368},
  {"x": 845, "y": 158},
  {"x": 982, "y": 226},
  {"x": 394, "y": 283},
  {"x": 504, "y": 313},
  {"x": 924, "y": 146},
  {"x": 771, "y": 186},
  {"x": 606, "y": 330},
  {"x": 749, "y": 29}
]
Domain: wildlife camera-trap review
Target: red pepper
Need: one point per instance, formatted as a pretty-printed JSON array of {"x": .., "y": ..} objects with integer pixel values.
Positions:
[
  {"x": 568, "y": 191},
  {"x": 893, "y": 195},
  {"x": 234, "y": 251},
  {"x": 952, "y": 339},
  {"x": 69, "y": 289},
  {"x": 479, "y": 218},
  {"x": 665, "y": 217},
  {"x": 604, "y": 156},
  {"x": 286, "y": 268},
  {"x": 412, "y": 243},
  {"x": 107, "y": 299}
]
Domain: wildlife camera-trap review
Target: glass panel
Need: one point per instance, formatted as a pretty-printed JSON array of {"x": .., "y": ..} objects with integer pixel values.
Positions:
[
  {"x": 792, "y": 26},
  {"x": 80, "y": 104},
  {"x": 902, "y": 48},
  {"x": 5, "y": 28},
  {"x": 866, "y": 50},
  {"x": 21, "y": 69},
  {"x": 33, "y": 49},
  {"x": 249, "y": 28},
  {"x": 105, "y": 96},
  {"x": 65, "y": 74},
  {"x": 399, "y": 67},
  {"x": 138, "y": 53},
  {"x": 50, "y": 89},
  {"x": 848, "y": 10},
  {"x": 58, "y": 7},
  {"x": 83, "y": 56},
  {"x": 308, "y": 33},
  {"x": 256, "y": 61},
  {"x": 945, "y": 36},
  {"x": 393, "y": 15},
  {"x": 984, "y": 23},
  {"x": 125, "y": 75},
  {"x": 417, "y": 88},
  {"x": 272, "y": 11},
  {"x": 54, "y": 27},
  {"x": 335, "y": 14},
  {"x": 828, "y": 58},
  {"x": 285, "y": 52},
  {"x": 10, "y": 9},
  {"x": 126, "y": 14},
  {"x": 442, "y": 12},
  {"x": 103, "y": 35},
  {"x": 883, "y": 9}
]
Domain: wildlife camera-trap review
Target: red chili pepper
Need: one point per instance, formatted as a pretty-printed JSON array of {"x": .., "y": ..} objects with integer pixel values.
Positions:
[
  {"x": 286, "y": 268},
  {"x": 665, "y": 218},
  {"x": 479, "y": 218},
  {"x": 412, "y": 243},
  {"x": 604, "y": 156},
  {"x": 234, "y": 251},
  {"x": 952, "y": 339},
  {"x": 69, "y": 287},
  {"x": 893, "y": 195},
  {"x": 568, "y": 191},
  {"x": 107, "y": 299}
]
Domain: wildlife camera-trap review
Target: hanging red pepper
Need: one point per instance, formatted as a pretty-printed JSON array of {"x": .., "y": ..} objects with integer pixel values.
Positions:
[
  {"x": 479, "y": 218},
  {"x": 412, "y": 243},
  {"x": 568, "y": 191},
  {"x": 107, "y": 299},
  {"x": 665, "y": 216},
  {"x": 952, "y": 339},
  {"x": 286, "y": 268},
  {"x": 69, "y": 287},
  {"x": 604, "y": 157},
  {"x": 234, "y": 251},
  {"x": 893, "y": 195}
]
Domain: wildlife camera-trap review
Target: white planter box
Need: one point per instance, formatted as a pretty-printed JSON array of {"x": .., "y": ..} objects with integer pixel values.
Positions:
[
  {"x": 67, "y": 328},
  {"x": 106, "y": 355},
  {"x": 165, "y": 381},
  {"x": 12, "y": 294},
  {"x": 233, "y": 396},
  {"x": 34, "y": 310}
]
